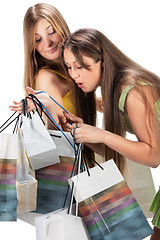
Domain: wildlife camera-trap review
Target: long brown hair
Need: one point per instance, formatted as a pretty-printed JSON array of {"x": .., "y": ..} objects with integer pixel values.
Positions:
[
  {"x": 32, "y": 59},
  {"x": 117, "y": 70}
]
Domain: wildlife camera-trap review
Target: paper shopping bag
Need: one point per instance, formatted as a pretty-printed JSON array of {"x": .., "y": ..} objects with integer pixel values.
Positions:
[
  {"x": 67, "y": 227},
  {"x": 60, "y": 225},
  {"x": 26, "y": 195},
  {"x": 26, "y": 184},
  {"x": 42, "y": 224},
  {"x": 40, "y": 148},
  {"x": 8, "y": 162},
  {"x": 107, "y": 205},
  {"x": 141, "y": 185},
  {"x": 64, "y": 146},
  {"x": 53, "y": 185}
]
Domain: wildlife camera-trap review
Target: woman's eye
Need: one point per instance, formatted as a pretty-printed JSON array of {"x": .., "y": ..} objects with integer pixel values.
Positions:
[
  {"x": 79, "y": 67},
  {"x": 52, "y": 32},
  {"x": 38, "y": 40}
]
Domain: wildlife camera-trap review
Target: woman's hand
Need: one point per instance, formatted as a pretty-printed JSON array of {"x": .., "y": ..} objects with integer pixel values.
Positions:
[
  {"x": 18, "y": 105},
  {"x": 87, "y": 134},
  {"x": 43, "y": 97},
  {"x": 68, "y": 119}
]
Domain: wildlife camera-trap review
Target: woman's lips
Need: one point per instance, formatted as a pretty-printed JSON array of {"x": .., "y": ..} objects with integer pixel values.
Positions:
[
  {"x": 80, "y": 85},
  {"x": 53, "y": 49}
]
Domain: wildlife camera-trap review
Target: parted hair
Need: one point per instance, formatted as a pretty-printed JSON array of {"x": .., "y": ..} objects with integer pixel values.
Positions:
[{"x": 118, "y": 70}]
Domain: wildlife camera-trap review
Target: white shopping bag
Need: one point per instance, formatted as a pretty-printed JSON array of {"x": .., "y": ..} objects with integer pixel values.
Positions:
[
  {"x": 61, "y": 226},
  {"x": 40, "y": 148},
  {"x": 64, "y": 146},
  {"x": 26, "y": 184},
  {"x": 67, "y": 227},
  {"x": 42, "y": 224}
]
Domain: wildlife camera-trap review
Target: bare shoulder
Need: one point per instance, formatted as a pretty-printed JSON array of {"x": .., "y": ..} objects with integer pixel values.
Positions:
[
  {"x": 136, "y": 98},
  {"x": 52, "y": 83},
  {"x": 47, "y": 75},
  {"x": 47, "y": 79}
]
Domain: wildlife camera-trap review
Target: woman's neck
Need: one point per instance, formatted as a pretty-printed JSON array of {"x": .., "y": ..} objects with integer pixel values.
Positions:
[{"x": 58, "y": 66}]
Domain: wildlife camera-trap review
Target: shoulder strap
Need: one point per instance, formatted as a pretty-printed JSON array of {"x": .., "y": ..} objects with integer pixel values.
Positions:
[
  {"x": 123, "y": 96},
  {"x": 124, "y": 93}
]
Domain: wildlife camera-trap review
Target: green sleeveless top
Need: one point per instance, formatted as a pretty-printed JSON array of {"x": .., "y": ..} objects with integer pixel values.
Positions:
[{"x": 122, "y": 100}]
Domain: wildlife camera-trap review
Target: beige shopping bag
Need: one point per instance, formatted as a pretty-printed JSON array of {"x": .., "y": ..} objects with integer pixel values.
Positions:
[{"x": 26, "y": 184}]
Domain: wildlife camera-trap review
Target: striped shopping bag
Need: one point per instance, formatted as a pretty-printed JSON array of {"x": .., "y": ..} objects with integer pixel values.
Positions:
[
  {"x": 108, "y": 206},
  {"x": 8, "y": 163},
  {"x": 53, "y": 185}
]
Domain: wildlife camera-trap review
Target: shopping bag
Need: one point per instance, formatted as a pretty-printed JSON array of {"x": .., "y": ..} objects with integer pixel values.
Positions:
[
  {"x": 140, "y": 181},
  {"x": 8, "y": 162},
  {"x": 52, "y": 179},
  {"x": 39, "y": 145},
  {"x": 53, "y": 185},
  {"x": 61, "y": 225},
  {"x": 63, "y": 140},
  {"x": 42, "y": 224},
  {"x": 67, "y": 227},
  {"x": 107, "y": 205},
  {"x": 64, "y": 147},
  {"x": 26, "y": 184}
]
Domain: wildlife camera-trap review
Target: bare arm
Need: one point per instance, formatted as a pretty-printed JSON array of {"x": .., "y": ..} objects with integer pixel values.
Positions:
[
  {"x": 50, "y": 83},
  {"x": 70, "y": 122},
  {"x": 145, "y": 125},
  {"x": 53, "y": 86}
]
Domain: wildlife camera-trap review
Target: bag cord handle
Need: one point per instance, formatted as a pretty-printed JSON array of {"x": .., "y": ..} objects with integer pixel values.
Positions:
[
  {"x": 44, "y": 109},
  {"x": 3, "y": 127}
]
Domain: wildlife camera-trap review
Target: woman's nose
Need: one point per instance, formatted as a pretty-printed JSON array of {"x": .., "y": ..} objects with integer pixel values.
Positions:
[
  {"x": 48, "y": 43},
  {"x": 74, "y": 74}
]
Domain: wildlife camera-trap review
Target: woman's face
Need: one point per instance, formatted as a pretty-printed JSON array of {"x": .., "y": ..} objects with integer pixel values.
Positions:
[
  {"x": 47, "y": 40},
  {"x": 86, "y": 79}
]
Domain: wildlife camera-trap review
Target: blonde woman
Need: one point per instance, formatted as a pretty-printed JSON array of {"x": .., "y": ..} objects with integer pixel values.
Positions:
[{"x": 44, "y": 30}]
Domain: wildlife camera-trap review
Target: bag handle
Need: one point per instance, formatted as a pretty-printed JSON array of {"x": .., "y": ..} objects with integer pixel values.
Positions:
[
  {"x": 84, "y": 153},
  {"x": 53, "y": 101},
  {"x": 37, "y": 102},
  {"x": 44, "y": 109},
  {"x": 41, "y": 105},
  {"x": 75, "y": 170},
  {"x": 5, "y": 125}
]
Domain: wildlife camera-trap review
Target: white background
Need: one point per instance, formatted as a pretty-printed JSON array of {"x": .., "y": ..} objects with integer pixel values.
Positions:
[{"x": 133, "y": 25}]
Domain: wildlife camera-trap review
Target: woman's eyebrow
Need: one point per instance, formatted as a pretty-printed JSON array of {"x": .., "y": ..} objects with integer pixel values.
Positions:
[
  {"x": 73, "y": 62},
  {"x": 45, "y": 29},
  {"x": 49, "y": 26}
]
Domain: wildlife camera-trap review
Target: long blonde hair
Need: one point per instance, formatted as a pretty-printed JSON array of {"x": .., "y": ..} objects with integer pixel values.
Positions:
[
  {"x": 33, "y": 61},
  {"x": 117, "y": 70}
]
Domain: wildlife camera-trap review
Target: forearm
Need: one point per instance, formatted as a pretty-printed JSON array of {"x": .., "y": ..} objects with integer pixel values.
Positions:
[
  {"x": 51, "y": 110},
  {"x": 98, "y": 148},
  {"x": 139, "y": 152}
]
